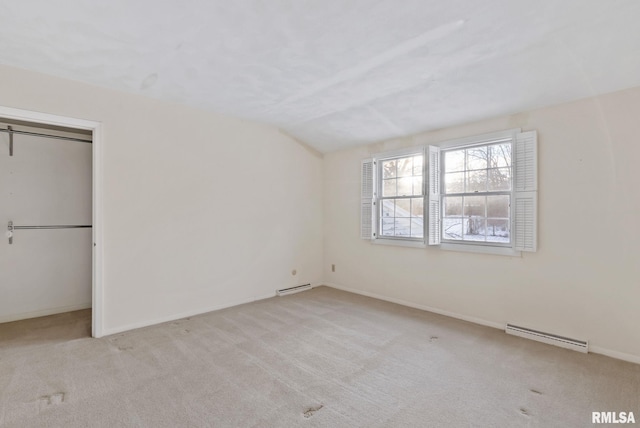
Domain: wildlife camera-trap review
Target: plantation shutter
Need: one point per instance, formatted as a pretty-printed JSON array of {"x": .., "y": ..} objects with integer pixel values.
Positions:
[
  {"x": 525, "y": 191},
  {"x": 433, "y": 195},
  {"x": 366, "y": 200}
]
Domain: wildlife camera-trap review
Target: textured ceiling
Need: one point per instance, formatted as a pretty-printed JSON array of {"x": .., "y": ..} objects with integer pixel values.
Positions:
[{"x": 335, "y": 73}]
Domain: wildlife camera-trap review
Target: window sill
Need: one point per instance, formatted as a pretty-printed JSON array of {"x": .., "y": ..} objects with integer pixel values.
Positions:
[
  {"x": 482, "y": 249},
  {"x": 399, "y": 243},
  {"x": 446, "y": 246}
]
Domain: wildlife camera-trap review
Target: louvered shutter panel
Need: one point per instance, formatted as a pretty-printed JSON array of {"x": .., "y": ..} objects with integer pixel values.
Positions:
[
  {"x": 525, "y": 191},
  {"x": 366, "y": 200},
  {"x": 433, "y": 187}
]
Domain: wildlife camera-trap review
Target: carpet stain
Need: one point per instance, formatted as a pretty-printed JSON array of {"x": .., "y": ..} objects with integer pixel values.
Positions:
[
  {"x": 311, "y": 410},
  {"x": 433, "y": 338},
  {"x": 51, "y": 400},
  {"x": 536, "y": 391},
  {"x": 524, "y": 411},
  {"x": 124, "y": 348}
]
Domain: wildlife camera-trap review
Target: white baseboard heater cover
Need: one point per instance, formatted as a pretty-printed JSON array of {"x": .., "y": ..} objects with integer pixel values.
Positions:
[
  {"x": 291, "y": 290},
  {"x": 551, "y": 339}
]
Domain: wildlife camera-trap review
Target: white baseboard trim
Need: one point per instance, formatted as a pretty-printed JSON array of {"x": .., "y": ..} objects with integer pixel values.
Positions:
[
  {"x": 173, "y": 317},
  {"x": 44, "y": 312},
  {"x": 592, "y": 349},
  {"x": 417, "y": 306},
  {"x": 614, "y": 354}
]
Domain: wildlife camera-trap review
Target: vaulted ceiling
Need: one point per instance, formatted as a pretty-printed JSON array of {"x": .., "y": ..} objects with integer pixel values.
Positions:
[{"x": 335, "y": 73}]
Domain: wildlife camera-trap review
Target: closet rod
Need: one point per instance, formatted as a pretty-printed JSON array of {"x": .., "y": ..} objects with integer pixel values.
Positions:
[
  {"x": 35, "y": 134},
  {"x": 51, "y": 227},
  {"x": 11, "y": 228}
]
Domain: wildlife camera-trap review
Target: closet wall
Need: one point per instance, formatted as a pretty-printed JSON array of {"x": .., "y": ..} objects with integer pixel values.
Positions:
[{"x": 46, "y": 183}]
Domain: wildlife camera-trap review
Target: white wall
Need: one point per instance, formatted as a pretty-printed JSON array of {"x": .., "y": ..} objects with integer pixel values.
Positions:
[
  {"x": 179, "y": 241},
  {"x": 200, "y": 210},
  {"x": 584, "y": 281}
]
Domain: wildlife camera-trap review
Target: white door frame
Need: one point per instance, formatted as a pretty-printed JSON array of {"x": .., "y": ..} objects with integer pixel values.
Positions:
[{"x": 97, "y": 300}]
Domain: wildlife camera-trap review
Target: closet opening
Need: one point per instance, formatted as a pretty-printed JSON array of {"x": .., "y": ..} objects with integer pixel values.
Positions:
[{"x": 50, "y": 256}]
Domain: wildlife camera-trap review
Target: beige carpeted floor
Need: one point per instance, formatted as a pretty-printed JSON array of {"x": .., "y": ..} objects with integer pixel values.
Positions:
[{"x": 318, "y": 358}]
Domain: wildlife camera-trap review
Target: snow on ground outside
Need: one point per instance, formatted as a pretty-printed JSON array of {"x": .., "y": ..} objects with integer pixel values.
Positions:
[{"x": 453, "y": 228}]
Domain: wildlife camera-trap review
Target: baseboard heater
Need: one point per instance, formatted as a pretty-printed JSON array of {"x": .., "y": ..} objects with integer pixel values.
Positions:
[
  {"x": 291, "y": 290},
  {"x": 551, "y": 339}
]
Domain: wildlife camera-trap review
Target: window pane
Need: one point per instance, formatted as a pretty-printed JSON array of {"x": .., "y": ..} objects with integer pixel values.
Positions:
[
  {"x": 403, "y": 207},
  {"x": 475, "y": 229},
  {"x": 454, "y": 161},
  {"x": 499, "y": 179},
  {"x": 417, "y": 165},
  {"x": 452, "y": 206},
  {"x": 417, "y": 228},
  {"x": 477, "y": 157},
  {"x": 498, "y": 206},
  {"x": 403, "y": 227},
  {"x": 417, "y": 185},
  {"x": 405, "y": 186},
  {"x": 388, "y": 208},
  {"x": 417, "y": 207},
  {"x": 389, "y": 169},
  {"x": 452, "y": 227},
  {"x": 474, "y": 206},
  {"x": 417, "y": 218},
  {"x": 500, "y": 155},
  {"x": 387, "y": 226},
  {"x": 474, "y": 218},
  {"x": 454, "y": 182},
  {"x": 477, "y": 181},
  {"x": 405, "y": 167},
  {"x": 389, "y": 187},
  {"x": 498, "y": 231}
]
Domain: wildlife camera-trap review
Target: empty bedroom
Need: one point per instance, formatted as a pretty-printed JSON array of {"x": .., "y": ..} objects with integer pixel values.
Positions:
[{"x": 358, "y": 213}]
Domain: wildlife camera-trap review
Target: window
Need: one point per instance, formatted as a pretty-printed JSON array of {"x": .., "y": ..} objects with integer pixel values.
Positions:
[
  {"x": 480, "y": 191},
  {"x": 401, "y": 202},
  {"x": 476, "y": 194}
]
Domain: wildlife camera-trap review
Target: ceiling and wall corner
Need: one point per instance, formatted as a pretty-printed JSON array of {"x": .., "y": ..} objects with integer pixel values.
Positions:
[{"x": 336, "y": 73}]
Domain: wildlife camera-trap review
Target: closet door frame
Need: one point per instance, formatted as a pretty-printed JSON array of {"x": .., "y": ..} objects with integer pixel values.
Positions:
[{"x": 97, "y": 284}]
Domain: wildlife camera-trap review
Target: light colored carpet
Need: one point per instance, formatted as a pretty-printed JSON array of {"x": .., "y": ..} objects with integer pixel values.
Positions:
[{"x": 318, "y": 358}]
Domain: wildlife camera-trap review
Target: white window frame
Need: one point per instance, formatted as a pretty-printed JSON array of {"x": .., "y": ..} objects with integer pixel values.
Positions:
[
  {"x": 480, "y": 141},
  {"x": 523, "y": 193},
  {"x": 404, "y": 241}
]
